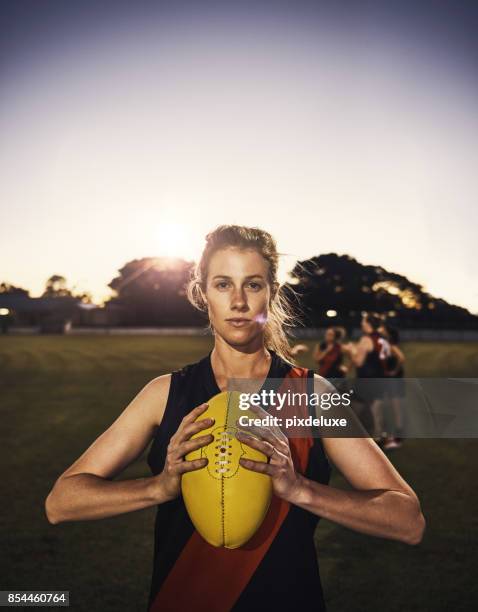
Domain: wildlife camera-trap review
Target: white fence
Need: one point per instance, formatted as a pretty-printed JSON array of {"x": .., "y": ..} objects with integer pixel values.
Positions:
[
  {"x": 406, "y": 335},
  {"x": 138, "y": 331}
]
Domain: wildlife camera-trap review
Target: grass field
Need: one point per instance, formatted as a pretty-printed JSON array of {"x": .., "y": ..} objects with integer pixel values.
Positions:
[{"x": 59, "y": 393}]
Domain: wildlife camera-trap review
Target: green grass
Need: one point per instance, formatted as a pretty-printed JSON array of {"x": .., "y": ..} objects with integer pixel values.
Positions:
[{"x": 60, "y": 393}]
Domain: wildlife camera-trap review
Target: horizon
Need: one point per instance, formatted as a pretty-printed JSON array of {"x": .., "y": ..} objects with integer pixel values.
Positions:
[
  {"x": 127, "y": 132},
  {"x": 285, "y": 278}
]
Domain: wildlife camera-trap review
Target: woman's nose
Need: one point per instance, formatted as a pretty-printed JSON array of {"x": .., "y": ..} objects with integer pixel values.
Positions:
[{"x": 239, "y": 298}]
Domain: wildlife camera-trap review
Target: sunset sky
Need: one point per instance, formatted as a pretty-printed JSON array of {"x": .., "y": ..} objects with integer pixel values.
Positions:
[{"x": 132, "y": 129}]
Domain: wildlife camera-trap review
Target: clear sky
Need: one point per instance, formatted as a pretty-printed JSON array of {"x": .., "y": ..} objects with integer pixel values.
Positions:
[{"x": 132, "y": 129}]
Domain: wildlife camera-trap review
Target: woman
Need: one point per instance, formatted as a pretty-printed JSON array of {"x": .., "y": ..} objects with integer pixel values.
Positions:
[
  {"x": 328, "y": 354},
  {"x": 236, "y": 284},
  {"x": 395, "y": 388},
  {"x": 369, "y": 355}
]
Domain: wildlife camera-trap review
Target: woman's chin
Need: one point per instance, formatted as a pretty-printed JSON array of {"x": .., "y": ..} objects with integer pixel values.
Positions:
[{"x": 241, "y": 337}]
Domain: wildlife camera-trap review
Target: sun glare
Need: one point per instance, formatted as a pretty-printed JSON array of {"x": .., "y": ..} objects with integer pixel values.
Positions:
[{"x": 174, "y": 240}]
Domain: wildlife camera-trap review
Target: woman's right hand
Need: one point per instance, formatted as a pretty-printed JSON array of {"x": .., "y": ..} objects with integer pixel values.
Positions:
[{"x": 179, "y": 445}]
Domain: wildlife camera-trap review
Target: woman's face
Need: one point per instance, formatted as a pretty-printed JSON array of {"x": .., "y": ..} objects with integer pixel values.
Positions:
[
  {"x": 330, "y": 335},
  {"x": 238, "y": 294}
]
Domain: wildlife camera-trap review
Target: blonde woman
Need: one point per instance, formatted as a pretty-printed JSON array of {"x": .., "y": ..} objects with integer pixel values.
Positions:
[{"x": 236, "y": 285}]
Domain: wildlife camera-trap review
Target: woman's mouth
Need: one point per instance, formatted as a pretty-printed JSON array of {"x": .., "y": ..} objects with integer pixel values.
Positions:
[{"x": 238, "y": 322}]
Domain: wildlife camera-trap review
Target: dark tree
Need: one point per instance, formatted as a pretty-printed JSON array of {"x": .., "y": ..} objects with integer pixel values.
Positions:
[
  {"x": 152, "y": 291},
  {"x": 342, "y": 284},
  {"x": 6, "y": 288},
  {"x": 56, "y": 287}
]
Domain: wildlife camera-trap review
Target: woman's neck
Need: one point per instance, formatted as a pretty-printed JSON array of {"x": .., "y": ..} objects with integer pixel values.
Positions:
[{"x": 228, "y": 362}]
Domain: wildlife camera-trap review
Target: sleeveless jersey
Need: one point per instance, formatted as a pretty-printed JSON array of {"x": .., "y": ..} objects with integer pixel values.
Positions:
[
  {"x": 329, "y": 366},
  {"x": 374, "y": 365},
  {"x": 392, "y": 363},
  {"x": 287, "y": 576}
]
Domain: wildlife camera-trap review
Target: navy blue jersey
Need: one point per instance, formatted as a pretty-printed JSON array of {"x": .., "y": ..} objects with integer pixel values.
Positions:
[{"x": 288, "y": 574}]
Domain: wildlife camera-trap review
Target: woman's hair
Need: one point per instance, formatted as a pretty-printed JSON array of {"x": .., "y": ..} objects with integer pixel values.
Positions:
[
  {"x": 373, "y": 319},
  {"x": 340, "y": 333},
  {"x": 280, "y": 312}
]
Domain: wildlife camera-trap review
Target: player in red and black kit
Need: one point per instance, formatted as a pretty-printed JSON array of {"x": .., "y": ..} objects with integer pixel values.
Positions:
[
  {"x": 329, "y": 356},
  {"x": 395, "y": 387},
  {"x": 369, "y": 355},
  {"x": 235, "y": 284}
]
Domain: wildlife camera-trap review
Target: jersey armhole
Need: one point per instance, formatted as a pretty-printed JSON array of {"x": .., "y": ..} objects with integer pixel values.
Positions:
[
  {"x": 312, "y": 413},
  {"x": 167, "y": 407}
]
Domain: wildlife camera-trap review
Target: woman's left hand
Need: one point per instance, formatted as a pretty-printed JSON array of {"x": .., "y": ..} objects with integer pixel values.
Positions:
[{"x": 280, "y": 467}]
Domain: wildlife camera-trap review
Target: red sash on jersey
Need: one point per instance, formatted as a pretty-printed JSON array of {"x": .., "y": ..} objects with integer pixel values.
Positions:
[
  {"x": 211, "y": 579},
  {"x": 329, "y": 360}
]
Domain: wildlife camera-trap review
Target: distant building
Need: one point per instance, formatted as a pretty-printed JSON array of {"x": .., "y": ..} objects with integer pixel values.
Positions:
[
  {"x": 53, "y": 315},
  {"x": 90, "y": 315}
]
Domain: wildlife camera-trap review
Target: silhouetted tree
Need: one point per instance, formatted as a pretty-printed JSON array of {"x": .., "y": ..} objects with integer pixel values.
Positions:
[
  {"x": 152, "y": 291},
  {"x": 342, "y": 284},
  {"x": 56, "y": 287},
  {"x": 12, "y": 290}
]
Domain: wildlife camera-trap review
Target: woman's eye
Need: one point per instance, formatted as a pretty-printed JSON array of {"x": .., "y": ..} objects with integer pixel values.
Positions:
[{"x": 251, "y": 284}]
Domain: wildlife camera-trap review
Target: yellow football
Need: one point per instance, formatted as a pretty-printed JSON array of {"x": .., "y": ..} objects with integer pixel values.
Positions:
[{"x": 226, "y": 502}]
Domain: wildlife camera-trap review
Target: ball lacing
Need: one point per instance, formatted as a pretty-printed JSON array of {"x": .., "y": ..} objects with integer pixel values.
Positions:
[{"x": 223, "y": 446}]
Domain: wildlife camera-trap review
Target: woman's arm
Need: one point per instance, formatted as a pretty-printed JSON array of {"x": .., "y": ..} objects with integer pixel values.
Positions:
[
  {"x": 320, "y": 354},
  {"x": 400, "y": 359},
  {"x": 86, "y": 491},
  {"x": 381, "y": 504},
  {"x": 358, "y": 351}
]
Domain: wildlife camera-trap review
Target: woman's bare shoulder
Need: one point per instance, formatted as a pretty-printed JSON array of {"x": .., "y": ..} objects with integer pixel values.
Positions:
[
  {"x": 322, "y": 385},
  {"x": 157, "y": 392}
]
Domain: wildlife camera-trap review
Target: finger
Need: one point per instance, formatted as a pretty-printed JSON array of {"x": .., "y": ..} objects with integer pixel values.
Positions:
[
  {"x": 195, "y": 412},
  {"x": 275, "y": 429},
  {"x": 185, "y": 432},
  {"x": 190, "y": 418},
  {"x": 191, "y": 445},
  {"x": 258, "y": 466},
  {"x": 281, "y": 446},
  {"x": 272, "y": 452},
  {"x": 256, "y": 409},
  {"x": 190, "y": 466},
  {"x": 277, "y": 433},
  {"x": 260, "y": 413},
  {"x": 260, "y": 431},
  {"x": 260, "y": 445},
  {"x": 194, "y": 428}
]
